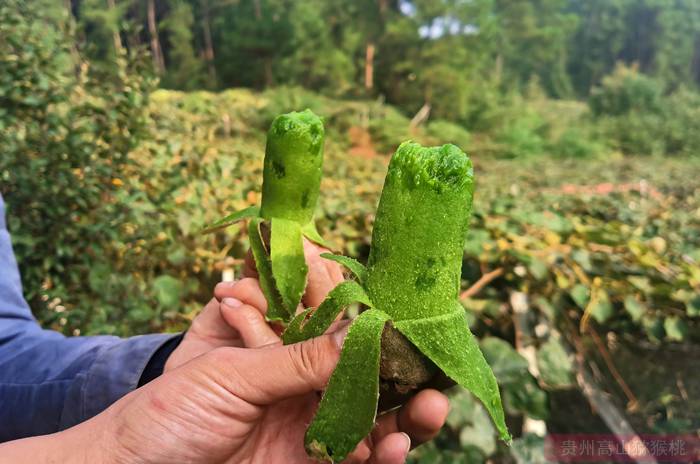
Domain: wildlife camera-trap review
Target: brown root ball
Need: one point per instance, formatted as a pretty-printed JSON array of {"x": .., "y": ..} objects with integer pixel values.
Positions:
[{"x": 404, "y": 371}]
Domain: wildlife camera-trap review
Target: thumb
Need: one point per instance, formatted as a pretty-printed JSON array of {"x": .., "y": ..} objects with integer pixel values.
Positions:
[{"x": 266, "y": 376}]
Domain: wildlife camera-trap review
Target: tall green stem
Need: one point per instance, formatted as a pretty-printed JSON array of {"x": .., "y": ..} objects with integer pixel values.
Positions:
[
  {"x": 292, "y": 170},
  {"x": 418, "y": 238}
]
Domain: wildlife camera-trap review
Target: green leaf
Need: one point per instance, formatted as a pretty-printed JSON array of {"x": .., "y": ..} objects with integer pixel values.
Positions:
[
  {"x": 462, "y": 408},
  {"x": 447, "y": 341},
  {"x": 474, "y": 244},
  {"x": 548, "y": 220},
  {"x": 580, "y": 295},
  {"x": 276, "y": 310},
  {"x": 289, "y": 267},
  {"x": 676, "y": 328},
  {"x": 508, "y": 366},
  {"x": 349, "y": 406},
  {"x": 141, "y": 314},
  {"x": 99, "y": 278},
  {"x": 601, "y": 309},
  {"x": 654, "y": 327},
  {"x": 309, "y": 230},
  {"x": 314, "y": 322},
  {"x": 634, "y": 308},
  {"x": 538, "y": 269},
  {"x": 479, "y": 433},
  {"x": 529, "y": 450},
  {"x": 481, "y": 308},
  {"x": 526, "y": 397},
  {"x": 177, "y": 255},
  {"x": 168, "y": 291},
  {"x": 547, "y": 308},
  {"x": 695, "y": 254},
  {"x": 642, "y": 283},
  {"x": 521, "y": 394},
  {"x": 357, "y": 268},
  {"x": 247, "y": 213},
  {"x": 583, "y": 258},
  {"x": 555, "y": 365}
]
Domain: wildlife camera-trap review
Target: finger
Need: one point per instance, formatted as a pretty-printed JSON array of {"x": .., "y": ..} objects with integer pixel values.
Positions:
[
  {"x": 421, "y": 418},
  {"x": 208, "y": 331},
  {"x": 335, "y": 270},
  {"x": 209, "y": 324},
  {"x": 249, "y": 322},
  {"x": 320, "y": 280},
  {"x": 246, "y": 290},
  {"x": 249, "y": 292},
  {"x": 264, "y": 377},
  {"x": 249, "y": 269},
  {"x": 360, "y": 454},
  {"x": 392, "y": 449}
]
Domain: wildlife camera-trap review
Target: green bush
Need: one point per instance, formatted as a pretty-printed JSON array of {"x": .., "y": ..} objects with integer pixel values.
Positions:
[
  {"x": 627, "y": 107},
  {"x": 681, "y": 116},
  {"x": 285, "y": 99},
  {"x": 636, "y": 117},
  {"x": 65, "y": 142},
  {"x": 486, "y": 107},
  {"x": 625, "y": 91},
  {"x": 635, "y": 133},
  {"x": 447, "y": 132},
  {"x": 523, "y": 134},
  {"x": 575, "y": 142},
  {"x": 388, "y": 127}
]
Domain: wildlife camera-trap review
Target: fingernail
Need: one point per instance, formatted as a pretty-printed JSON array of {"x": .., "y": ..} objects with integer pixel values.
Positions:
[
  {"x": 232, "y": 302},
  {"x": 339, "y": 335},
  {"x": 408, "y": 442},
  {"x": 227, "y": 283}
]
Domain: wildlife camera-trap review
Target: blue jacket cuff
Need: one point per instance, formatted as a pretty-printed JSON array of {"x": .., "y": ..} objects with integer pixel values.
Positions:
[{"x": 115, "y": 372}]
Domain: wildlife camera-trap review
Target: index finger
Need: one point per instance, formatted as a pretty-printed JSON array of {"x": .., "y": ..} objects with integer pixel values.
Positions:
[{"x": 323, "y": 275}]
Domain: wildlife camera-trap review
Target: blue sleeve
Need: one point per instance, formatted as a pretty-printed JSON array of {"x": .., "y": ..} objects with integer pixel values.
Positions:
[{"x": 49, "y": 382}]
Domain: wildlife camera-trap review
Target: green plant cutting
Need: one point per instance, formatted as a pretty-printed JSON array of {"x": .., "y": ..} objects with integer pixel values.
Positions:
[
  {"x": 413, "y": 332},
  {"x": 291, "y": 184}
]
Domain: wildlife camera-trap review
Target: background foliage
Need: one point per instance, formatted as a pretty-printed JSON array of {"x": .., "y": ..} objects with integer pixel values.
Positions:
[{"x": 583, "y": 131}]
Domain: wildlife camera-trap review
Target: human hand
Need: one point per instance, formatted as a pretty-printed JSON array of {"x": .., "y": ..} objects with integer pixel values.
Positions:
[
  {"x": 421, "y": 418},
  {"x": 244, "y": 324},
  {"x": 231, "y": 405},
  {"x": 209, "y": 329}
]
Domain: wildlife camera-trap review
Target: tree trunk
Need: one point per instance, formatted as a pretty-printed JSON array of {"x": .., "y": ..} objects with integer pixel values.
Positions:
[
  {"x": 116, "y": 38},
  {"x": 155, "y": 42},
  {"x": 369, "y": 66},
  {"x": 258, "y": 10},
  {"x": 695, "y": 66},
  {"x": 420, "y": 117},
  {"x": 499, "y": 68},
  {"x": 267, "y": 60},
  {"x": 268, "y": 72},
  {"x": 75, "y": 55},
  {"x": 208, "y": 42}
]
